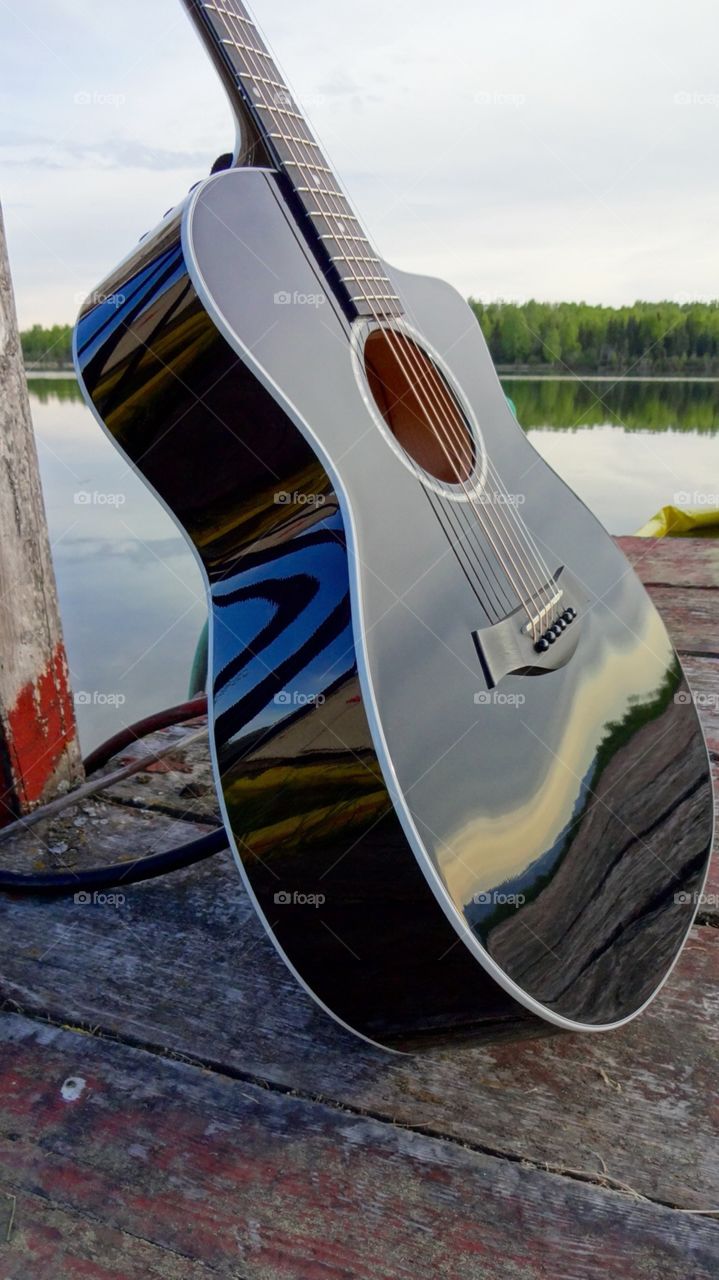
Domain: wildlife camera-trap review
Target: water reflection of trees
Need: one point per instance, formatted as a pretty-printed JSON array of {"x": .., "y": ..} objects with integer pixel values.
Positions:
[
  {"x": 555, "y": 403},
  {"x": 49, "y": 390},
  {"x": 636, "y": 406}
]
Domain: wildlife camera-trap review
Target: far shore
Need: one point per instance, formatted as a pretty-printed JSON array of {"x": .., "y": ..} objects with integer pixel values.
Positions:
[{"x": 519, "y": 373}]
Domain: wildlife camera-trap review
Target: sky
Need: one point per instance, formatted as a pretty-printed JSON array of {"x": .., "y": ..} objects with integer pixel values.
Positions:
[{"x": 518, "y": 148}]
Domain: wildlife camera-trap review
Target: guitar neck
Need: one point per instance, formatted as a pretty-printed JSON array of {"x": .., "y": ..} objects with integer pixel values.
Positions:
[{"x": 327, "y": 219}]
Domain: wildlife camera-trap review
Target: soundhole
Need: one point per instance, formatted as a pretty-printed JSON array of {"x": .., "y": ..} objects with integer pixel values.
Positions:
[{"x": 419, "y": 406}]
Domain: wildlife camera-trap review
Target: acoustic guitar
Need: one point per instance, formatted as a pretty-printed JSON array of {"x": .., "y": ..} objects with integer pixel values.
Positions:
[{"x": 458, "y": 760}]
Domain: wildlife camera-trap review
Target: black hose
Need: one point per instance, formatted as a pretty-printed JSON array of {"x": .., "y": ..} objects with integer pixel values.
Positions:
[
  {"x": 140, "y": 729},
  {"x": 67, "y": 883},
  {"x": 132, "y": 871}
]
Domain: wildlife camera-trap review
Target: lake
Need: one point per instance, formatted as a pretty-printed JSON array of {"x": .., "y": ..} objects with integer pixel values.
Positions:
[{"x": 131, "y": 596}]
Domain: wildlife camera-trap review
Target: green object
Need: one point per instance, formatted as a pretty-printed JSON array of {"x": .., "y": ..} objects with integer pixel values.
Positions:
[{"x": 198, "y": 674}]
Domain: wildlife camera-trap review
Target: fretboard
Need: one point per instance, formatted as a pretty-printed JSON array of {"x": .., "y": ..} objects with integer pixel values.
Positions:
[{"x": 332, "y": 228}]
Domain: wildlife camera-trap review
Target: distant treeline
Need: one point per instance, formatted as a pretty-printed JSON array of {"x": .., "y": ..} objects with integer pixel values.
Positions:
[
  {"x": 648, "y": 337},
  {"x": 549, "y": 337},
  {"x": 47, "y": 348}
]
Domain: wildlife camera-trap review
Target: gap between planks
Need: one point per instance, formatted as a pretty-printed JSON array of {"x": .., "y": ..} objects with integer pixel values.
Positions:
[{"x": 601, "y": 1180}]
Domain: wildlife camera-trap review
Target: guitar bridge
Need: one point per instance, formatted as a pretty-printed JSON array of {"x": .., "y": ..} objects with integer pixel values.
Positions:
[{"x": 542, "y": 642}]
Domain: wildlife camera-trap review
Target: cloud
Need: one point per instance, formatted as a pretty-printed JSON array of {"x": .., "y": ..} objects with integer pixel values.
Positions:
[{"x": 36, "y": 151}]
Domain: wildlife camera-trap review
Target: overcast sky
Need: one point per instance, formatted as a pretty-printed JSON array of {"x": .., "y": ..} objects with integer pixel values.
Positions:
[{"x": 520, "y": 148}]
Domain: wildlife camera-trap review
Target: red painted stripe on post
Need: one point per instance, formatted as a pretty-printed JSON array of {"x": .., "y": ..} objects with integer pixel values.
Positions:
[{"x": 37, "y": 731}]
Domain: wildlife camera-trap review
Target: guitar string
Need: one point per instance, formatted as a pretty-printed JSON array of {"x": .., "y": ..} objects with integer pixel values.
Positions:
[
  {"x": 335, "y": 215},
  {"x": 439, "y": 392},
  {"x": 481, "y": 570},
  {"x": 330, "y": 215},
  {"x": 339, "y": 215}
]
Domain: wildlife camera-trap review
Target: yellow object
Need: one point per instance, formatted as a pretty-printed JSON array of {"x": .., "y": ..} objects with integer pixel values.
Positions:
[{"x": 674, "y": 522}]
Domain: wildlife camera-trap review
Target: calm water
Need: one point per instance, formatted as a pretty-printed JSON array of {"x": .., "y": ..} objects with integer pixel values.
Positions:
[{"x": 130, "y": 592}]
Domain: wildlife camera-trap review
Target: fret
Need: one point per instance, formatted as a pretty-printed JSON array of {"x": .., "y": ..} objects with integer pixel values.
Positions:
[
  {"x": 355, "y": 239},
  {"x": 376, "y": 297},
  {"x": 237, "y": 17},
  {"x": 280, "y": 111},
  {"x": 287, "y": 138},
  {"x": 273, "y": 84},
  {"x": 348, "y": 257},
  {"x": 260, "y": 88},
  {"x": 339, "y": 218},
  {"x": 364, "y": 279},
  {"x": 247, "y": 48},
  {"x": 320, "y": 191},
  {"x": 306, "y": 164}
]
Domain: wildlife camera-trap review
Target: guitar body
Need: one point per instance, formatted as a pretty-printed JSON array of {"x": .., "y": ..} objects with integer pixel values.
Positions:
[{"x": 443, "y": 838}]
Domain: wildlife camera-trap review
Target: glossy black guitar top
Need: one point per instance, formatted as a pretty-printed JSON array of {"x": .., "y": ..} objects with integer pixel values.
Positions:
[{"x": 459, "y": 763}]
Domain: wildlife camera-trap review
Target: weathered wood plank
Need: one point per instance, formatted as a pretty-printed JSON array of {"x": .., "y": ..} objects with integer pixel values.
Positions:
[
  {"x": 674, "y": 562},
  {"x": 184, "y": 786},
  {"x": 260, "y": 1185},
  {"x": 691, "y": 617},
  {"x": 184, "y": 964},
  {"x": 47, "y": 1243},
  {"x": 95, "y": 833}
]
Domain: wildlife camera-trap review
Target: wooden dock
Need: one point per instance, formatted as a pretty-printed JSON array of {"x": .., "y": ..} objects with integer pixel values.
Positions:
[{"x": 173, "y": 1105}]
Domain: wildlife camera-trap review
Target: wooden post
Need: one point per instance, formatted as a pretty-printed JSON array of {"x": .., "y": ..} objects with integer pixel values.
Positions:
[{"x": 39, "y": 750}]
